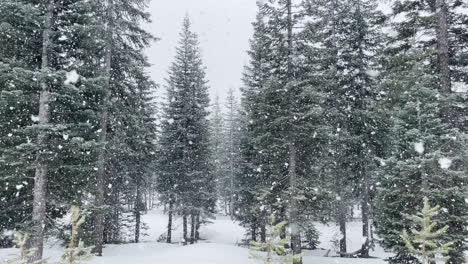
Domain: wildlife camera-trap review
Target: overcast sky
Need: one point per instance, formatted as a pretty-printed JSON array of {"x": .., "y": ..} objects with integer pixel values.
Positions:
[{"x": 224, "y": 28}]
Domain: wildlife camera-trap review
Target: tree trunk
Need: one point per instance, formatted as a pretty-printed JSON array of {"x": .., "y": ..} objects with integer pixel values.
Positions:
[
  {"x": 231, "y": 161},
  {"x": 365, "y": 218},
  {"x": 293, "y": 209},
  {"x": 36, "y": 238},
  {"x": 104, "y": 119},
  {"x": 342, "y": 223},
  {"x": 138, "y": 209},
  {"x": 253, "y": 232},
  {"x": 192, "y": 228},
  {"x": 231, "y": 192},
  {"x": 184, "y": 219},
  {"x": 197, "y": 227},
  {"x": 443, "y": 46},
  {"x": 169, "y": 224},
  {"x": 282, "y": 217},
  {"x": 367, "y": 214},
  {"x": 263, "y": 233}
]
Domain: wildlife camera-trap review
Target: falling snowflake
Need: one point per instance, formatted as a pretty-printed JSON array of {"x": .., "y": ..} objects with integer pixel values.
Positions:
[
  {"x": 419, "y": 147},
  {"x": 72, "y": 77},
  {"x": 445, "y": 163}
]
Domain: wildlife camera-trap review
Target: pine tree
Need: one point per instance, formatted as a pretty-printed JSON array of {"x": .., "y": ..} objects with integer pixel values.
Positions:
[
  {"x": 231, "y": 148},
  {"x": 251, "y": 211},
  {"x": 186, "y": 179},
  {"x": 123, "y": 106},
  {"x": 275, "y": 249},
  {"x": 76, "y": 252},
  {"x": 346, "y": 39},
  {"x": 217, "y": 144},
  {"x": 425, "y": 241},
  {"x": 25, "y": 254},
  {"x": 65, "y": 129},
  {"x": 282, "y": 119},
  {"x": 428, "y": 136}
]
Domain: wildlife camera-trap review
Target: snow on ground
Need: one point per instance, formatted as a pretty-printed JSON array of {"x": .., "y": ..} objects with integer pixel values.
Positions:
[{"x": 218, "y": 246}]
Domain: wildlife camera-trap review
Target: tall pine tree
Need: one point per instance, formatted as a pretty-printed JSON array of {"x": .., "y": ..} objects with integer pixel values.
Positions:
[{"x": 186, "y": 179}]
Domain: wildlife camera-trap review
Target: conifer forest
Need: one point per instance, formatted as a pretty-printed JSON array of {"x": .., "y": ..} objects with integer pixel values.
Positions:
[{"x": 346, "y": 140}]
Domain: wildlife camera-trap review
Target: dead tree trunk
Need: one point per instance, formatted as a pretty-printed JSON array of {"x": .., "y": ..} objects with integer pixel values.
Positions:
[
  {"x": 36, "y": 239},
  {"x": 103, "y": 123}
]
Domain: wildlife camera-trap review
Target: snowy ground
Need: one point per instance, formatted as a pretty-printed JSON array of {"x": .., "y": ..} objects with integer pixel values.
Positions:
[{"x": 218, "y": 248}]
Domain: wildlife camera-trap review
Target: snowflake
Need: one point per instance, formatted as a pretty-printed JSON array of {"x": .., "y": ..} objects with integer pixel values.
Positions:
[
  {"x": 445, "y": 163},
  {"x": 419, "y": 147},
  {"x": 72, "y": 77}
]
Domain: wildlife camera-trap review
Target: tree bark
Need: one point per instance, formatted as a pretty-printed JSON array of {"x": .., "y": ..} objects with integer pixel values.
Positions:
[
  {"x": 367, "y": 214},
  {"x": 342, "y": 224},
  {"x": 263, "y": 233},
  {"x": 293, "y": 209},
  {"x": 365, "y": 218},
  {"x": 138, "y": 209},
  {"x": 253, "y": 232},
  {"x": 103, "y": 123},
  {"x": 197, "y": 227},
  {"x": 443, "y": 46},
  {"x": 36, "y": 238},
  {"x": 184, "y": 220},
  {"x": 192, "y": 228},
  {"x": 169, "y": 224}
]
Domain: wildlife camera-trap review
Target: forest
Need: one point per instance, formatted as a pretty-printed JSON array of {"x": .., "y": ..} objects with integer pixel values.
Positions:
[{"x": 352, "y": 114}]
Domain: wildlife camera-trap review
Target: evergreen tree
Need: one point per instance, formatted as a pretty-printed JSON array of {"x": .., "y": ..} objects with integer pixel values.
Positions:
[
  {"x": 251, "y": 211},
  {"x": 76, "y": 88},
  {"x": 124, "y": 117},
  {"x": 186, "y": 179},
  {"x": 63, "y": 118},
  {"x": 342, "y": 43},
  {"x": 424, "y": 150},
  {"x": 217, "y": 144},
  {"x": 276, "y": 249},
  {"x": 231, "y": 148},
  {"x": 423, "y": 80},
  {"x": 424, "y": 241}
]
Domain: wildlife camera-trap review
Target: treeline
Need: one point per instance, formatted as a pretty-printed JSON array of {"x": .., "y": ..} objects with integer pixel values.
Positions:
[
  {"x": 343, "y": 105},
  {"x": 76, "y": 117}
]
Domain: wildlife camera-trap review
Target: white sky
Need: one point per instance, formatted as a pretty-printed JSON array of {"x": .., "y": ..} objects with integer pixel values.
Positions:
[{"x": 224, "y": 29}]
